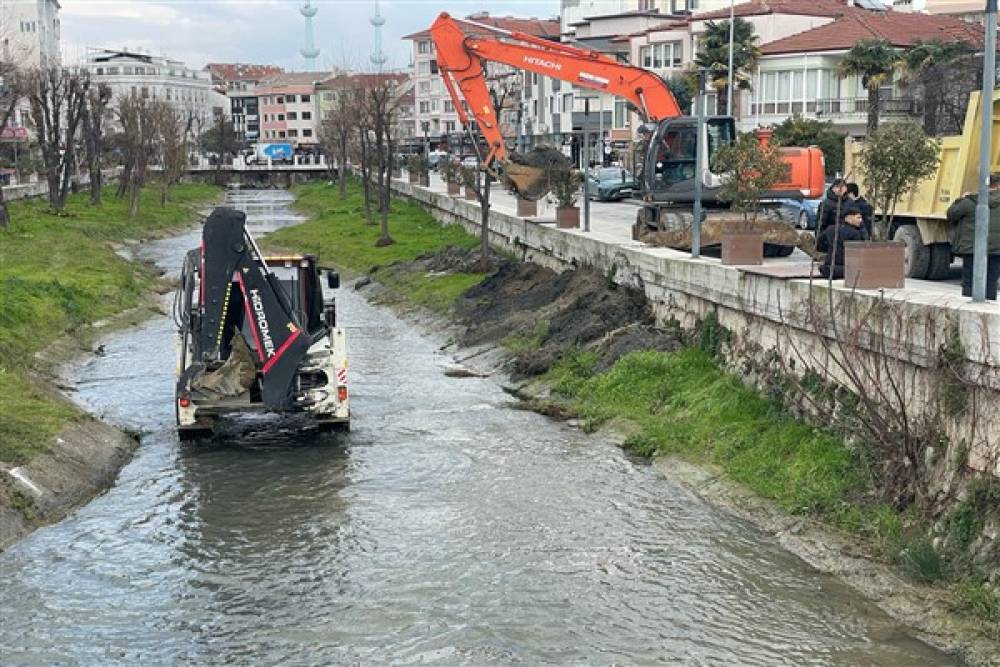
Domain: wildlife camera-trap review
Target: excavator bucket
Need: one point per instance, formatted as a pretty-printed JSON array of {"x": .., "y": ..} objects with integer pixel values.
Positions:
[{"x": 529, "y": 182}]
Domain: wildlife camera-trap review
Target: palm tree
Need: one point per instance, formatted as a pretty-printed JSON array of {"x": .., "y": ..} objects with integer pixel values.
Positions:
[
  {"x": 874, "y": 60},
  {"x": 713, "y": 55},
  {"x": 921, "y": 65}
]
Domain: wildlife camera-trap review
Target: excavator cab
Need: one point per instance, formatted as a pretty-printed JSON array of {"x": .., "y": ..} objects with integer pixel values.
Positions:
[{"x": 669, "y": 157}]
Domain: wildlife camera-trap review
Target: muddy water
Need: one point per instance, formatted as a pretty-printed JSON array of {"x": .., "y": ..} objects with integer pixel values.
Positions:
[{"x": 446, "y": 527}]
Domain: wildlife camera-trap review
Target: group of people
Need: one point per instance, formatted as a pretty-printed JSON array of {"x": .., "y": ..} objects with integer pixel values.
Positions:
[{"x": 844, "y": 215}]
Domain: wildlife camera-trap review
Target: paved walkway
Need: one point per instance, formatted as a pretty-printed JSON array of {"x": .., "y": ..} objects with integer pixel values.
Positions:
[{"x": 611, "y": 222}]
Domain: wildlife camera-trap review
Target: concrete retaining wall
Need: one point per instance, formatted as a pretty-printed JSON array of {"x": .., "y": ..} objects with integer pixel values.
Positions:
[
  {"x": 897, "y": 336},
  {"x": 40, "y": 188}
]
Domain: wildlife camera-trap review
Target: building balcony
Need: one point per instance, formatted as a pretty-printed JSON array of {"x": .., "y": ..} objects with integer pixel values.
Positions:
[{"x": 844, "y": 109}]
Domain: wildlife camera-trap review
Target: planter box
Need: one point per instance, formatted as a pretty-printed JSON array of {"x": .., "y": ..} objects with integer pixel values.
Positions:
[
  {"x": 470, "y": 194},
  {"x": 526, "y": 208},
  {"x": 425, "y": 180},
  {"x": 413, "y": 177},
  {"x": 454, "y": 188},
  {"x": 874, "y": 264},
  {"x": 742, "y": 248},
  {"x": 568, "y": 217}
]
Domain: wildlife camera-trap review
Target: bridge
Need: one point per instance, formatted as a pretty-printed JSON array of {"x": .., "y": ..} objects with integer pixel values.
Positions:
[{"x": 262, "y": 173}]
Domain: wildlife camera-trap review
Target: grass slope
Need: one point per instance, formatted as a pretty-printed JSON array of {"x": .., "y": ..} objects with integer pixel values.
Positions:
[
  {"x": 337, "y": 233},
  {"x": 57, "y": 273}
]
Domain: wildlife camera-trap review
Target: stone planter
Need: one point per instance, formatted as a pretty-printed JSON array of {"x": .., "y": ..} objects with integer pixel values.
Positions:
[
  {"x": 568, "y": 217},
  {"x": 526, "y": 208},
  {"x": 742, "y": 248},
  {"x": 470, "y": 194},
  {"x": 874, "y": 264},
  {"x": 454, "y": 188},
  {"x": 413, "y": 177}
]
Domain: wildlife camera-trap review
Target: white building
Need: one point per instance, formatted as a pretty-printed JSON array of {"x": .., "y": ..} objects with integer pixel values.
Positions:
[
  {"x": 156, "y": 77},
  {"x": 30, "y": 32},
  {"x": 575, "y": 11}
]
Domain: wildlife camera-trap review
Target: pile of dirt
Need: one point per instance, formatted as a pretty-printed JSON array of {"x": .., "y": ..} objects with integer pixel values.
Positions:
[{"x": 539, "y": 314}]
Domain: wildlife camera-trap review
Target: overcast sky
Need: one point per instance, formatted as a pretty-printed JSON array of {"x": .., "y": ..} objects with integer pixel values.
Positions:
[{"x": 263, "y": 31}]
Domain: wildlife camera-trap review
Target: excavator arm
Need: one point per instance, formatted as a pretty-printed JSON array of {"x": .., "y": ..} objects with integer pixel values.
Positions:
[{"x": 464, "y": 47}]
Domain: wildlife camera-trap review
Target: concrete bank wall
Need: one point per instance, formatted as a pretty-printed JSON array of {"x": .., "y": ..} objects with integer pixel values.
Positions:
[
  {"x": 40, "y": 188},
  {"x": 892, "y": 341}
]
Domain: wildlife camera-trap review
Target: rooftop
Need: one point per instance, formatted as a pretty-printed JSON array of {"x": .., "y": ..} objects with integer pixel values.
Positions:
[
  {"x": 547, "y": 28},
  {"x": 225, "y": 72},
  {"x": 898, "y": 28},
  {"x": 294, "y": 79}
]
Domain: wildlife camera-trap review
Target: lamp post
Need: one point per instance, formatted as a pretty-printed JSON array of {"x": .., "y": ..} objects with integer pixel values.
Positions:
[
  {"x": 982, "y": 204},
  {"x": 699, "y": 165},
  {"x": 427, "y": 141},
  {"x": 586, "y": 164},
  {"x": 729, "y": 75}
]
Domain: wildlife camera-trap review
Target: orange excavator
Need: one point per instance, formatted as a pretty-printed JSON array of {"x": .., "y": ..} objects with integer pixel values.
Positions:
[{"x": 666, "y": 161}]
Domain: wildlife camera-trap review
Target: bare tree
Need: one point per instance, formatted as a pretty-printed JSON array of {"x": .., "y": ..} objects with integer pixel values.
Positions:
[
  {"x": 172, "y": 128},
  {"x": 336, "y": 129},
  {"x": 57, "y": 99},
  {"x": 11, "y": 88},
  {"x": 381, "y": 109},
  {"x": 135, "y": 114},
  {"x": 94, "y": 110},
  {"x": 364, "y": 151}
]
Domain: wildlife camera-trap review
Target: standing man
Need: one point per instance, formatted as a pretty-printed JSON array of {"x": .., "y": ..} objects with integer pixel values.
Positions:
[
  {"x": 831, "y": 208},
  {"x": 962, "y": 216}
]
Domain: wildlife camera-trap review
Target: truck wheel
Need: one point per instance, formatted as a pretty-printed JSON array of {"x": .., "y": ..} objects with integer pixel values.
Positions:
[
  {"x": 940, "y": 265},
  {"x": 772, "y": 250},
  {"x": 918, "y": 255}
]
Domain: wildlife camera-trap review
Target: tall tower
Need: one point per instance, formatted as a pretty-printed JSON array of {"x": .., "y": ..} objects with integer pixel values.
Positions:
[
  {"x": 309, "y": 51},
  {"x": 378, "y": 57}
]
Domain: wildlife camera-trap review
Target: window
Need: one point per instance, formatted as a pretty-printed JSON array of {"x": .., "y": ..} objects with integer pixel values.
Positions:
[
  {"x": 327, "y": 97},
  {"x": 449, "y": 106},
  {"x": 281, "y": 134},
  {"x": 657, "y": 56},
  {"x": 280, "y": 100},
  {"x": 423, "y": 47},
  {"x": 307, "y": 115},
  {"x": 145, "y": 93},
  {"x": 424, "y": 88},
  {"x": 567, "y": 103},
  {"x": 290, "y": 98},
  {"x": 449, "y": 126},
  {"x": 305, "y": 99},
  {"x": 425, "y": 107},
  {"x": 126, "y": 70},
  {"x": 620, "y": 115},
  {"x": 112, "y": 70},
  {"x": 100, "y": 70},
  {"x": 281, "y": 117},
  {"x": 291, "y": 115},
  {"x": 307, "y": 132},
  {"x": 434, "y": 67},
  {"x": 434, "y": 105},
  {"x": 424, "y": 67},
  {"x": 293, "y": 134}
]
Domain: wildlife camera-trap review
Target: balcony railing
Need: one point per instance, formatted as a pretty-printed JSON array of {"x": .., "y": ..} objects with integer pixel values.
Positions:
[{"x": 838, "y": 107}]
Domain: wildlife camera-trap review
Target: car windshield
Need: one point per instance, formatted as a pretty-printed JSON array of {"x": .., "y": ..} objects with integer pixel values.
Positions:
[{"x": 613, "y": 174}]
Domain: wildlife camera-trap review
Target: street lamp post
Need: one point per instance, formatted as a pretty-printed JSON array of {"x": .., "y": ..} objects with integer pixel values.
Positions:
[
  {"x": 729, "y": 75},
  {"x": 699, "y": 165},
  {"x": 586, "y": 164},
  {"x": 427, "y": 141},
  {"x": 982, "y": 204}
]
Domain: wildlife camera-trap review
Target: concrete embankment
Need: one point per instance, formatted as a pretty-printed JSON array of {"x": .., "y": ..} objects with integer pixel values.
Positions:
[{"x": 68, "y": 280}]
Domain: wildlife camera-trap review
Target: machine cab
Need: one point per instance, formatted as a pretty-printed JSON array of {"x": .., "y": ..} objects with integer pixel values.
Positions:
[{"x": 669, "y": 156}]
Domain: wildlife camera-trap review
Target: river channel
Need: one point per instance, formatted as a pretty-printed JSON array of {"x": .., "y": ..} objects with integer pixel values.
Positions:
[{"x": 446, "y": 527}]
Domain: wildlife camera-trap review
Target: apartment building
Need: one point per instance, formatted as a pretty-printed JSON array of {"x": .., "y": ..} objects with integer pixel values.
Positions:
[
  {"x": 402, "y": 97},
  {"x": 289, "y": 110},
  {"x": 238, "y": 82},
  {"x": 157, "y": 77},
  {"x": 30, "y": 32}
]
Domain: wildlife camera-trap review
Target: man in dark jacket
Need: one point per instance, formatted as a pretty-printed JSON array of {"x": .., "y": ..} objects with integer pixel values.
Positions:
[
  {"x": 831, "y": 208},
  {"x": 831, "y": 241},
  {"x": 962, "y": 216},
  {"x": 867, "y": 210}
]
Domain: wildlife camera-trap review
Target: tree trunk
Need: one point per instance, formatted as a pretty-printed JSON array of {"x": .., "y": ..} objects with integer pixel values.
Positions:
[
  {"x": 931, "y": 103},
  {"x": 4, "y": 213},
  {"x": 366, "y": 177},
  {"x": 96, "y": 183},
  {"x": 874, "y": 102},
  {"x": 484, "y": 223},
  {"x": 343, "y": 166},
  {"x": 133, "y": 201}
]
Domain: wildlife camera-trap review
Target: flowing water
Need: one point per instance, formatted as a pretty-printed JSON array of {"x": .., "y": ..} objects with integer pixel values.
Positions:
[{"x": 446, "y": 527}]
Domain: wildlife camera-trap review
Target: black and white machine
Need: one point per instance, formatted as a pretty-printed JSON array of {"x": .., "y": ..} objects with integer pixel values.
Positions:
[{"x": 256, "y": 333}]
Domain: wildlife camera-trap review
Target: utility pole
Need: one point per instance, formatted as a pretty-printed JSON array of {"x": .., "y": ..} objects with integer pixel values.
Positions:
[
  {"x": 985, "y": 145},
  {"x": 586, "y": 161},
  {"x": 699, "y": 166},
  {"x": 729, "y": 76}
]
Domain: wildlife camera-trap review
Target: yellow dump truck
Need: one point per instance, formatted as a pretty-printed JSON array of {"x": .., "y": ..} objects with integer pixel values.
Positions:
[{"x": 920, "y": 215}]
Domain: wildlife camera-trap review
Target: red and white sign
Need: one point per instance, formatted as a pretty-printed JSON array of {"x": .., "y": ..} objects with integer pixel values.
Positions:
[{"x": 9, "y": 133}]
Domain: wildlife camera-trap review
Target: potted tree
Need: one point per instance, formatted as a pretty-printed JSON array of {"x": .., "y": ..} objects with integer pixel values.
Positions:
[
  {"x": 452, "y": 175},
  {"x": 413, "y": 169},
  {"x": 750, "y": 166},
  {"x": 565, "y": 183},
  {"x": 469, "y": 176},
  {"x": 894, "y": 159}
]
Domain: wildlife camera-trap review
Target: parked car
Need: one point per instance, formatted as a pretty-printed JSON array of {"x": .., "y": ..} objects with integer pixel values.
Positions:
[
  {"x": 611, "y": 184},
  {"x": 801, "y": 213}
]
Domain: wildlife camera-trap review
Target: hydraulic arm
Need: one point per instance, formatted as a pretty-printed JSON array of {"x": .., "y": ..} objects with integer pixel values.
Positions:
[{"x": 463, "y": 48}]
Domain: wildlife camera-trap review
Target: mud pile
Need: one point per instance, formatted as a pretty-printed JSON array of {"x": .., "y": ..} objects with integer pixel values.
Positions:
[{"x": 539, "y": 314}]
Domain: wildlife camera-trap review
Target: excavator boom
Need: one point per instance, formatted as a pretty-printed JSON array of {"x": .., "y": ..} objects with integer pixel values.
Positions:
[{"x": 463, "y": 48}]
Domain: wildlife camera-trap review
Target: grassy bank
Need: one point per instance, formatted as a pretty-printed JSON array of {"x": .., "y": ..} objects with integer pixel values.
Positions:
[
  {"x": 337, "y": 233},
  {"x": 58, "y": 273}
]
